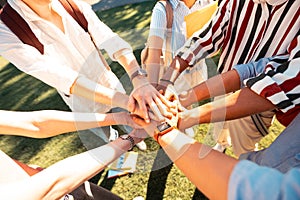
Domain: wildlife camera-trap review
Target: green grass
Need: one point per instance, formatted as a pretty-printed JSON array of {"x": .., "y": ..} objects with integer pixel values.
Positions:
[{"x": 19, "y": 91}]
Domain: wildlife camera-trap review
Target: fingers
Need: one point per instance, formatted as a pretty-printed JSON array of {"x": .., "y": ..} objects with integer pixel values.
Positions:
[
  {"x": 131, "y": 104},
  {"x": 153, "y": 116},
  {"x": 144, "y": 110},
  {"x": 156, "y": 111},
  {"x": 138, "y": 120},
  {"x": 162, "y": 110}
]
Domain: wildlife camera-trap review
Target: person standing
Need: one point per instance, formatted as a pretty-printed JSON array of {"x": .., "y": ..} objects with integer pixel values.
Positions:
[
  {"x": 70, "y": 62},
  {"x": 245, "y": 31}
]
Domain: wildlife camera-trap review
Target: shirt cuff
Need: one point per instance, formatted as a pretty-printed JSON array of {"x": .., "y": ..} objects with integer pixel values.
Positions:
[
  {"x": 251, "y": 69},
  {"x": 114, "y": 45}
]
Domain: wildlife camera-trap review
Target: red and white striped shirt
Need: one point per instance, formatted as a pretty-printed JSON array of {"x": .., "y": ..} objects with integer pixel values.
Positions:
[
  {"x": 246, "y": 31},
  {"x": 280, "y": 83}
]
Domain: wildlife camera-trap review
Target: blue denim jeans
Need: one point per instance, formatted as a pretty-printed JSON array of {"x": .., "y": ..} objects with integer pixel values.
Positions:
[{"x": 284, "y": 153}]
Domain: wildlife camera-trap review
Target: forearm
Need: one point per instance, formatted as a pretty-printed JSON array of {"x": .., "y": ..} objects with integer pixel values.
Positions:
[
  {"x": 205, "y": 173},
  {"x": 215, "y": 86},
  {"x": 66, "y": 175},
  {"x": 48, "y": 123},
  {"x": 153, "y": 61},
  {"x": 237, "y": 105},
  {"x": 128, "y": 61},
  {"x": 176, "y": 67},
  {"x": 98, "y": 93}
]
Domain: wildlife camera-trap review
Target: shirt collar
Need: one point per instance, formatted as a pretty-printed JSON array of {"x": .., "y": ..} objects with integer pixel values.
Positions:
[
  {"x": 271, "y": 2},
  {"x": 174, "y": 3}
]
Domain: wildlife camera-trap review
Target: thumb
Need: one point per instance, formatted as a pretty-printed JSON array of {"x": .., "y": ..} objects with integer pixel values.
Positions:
[{"x": 131, "y": 104}]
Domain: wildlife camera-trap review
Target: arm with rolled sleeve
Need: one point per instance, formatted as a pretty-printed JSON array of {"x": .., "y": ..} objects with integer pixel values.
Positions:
[
  {"x": 29, "y": 60},
  {"x": 271, "y": 83},
  {"x": 202, "y": 44},
  {"x": 279, "y": 84},
  {"x": 121, "y": 51},
  {"x": 250, "y": 181},
  {"x": 207, "y": 40},
  {"x": 117, "y": 48},
  {"x": 56, "y": 74}
]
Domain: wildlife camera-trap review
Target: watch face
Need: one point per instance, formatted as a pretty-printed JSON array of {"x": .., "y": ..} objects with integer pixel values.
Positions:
[
  {"x": 142, "y": 72},
  {"x": 163, "y": 126}
]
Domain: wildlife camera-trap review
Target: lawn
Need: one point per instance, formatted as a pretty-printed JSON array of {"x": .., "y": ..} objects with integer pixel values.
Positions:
[{"x": 21, "y": 92}]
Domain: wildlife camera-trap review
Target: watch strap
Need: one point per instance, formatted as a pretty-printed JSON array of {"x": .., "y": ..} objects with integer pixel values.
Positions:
[
  {"x": 130, "y": 139},
  {"x": 138, "y": 72},
  {"x": 160, "y": 133}
]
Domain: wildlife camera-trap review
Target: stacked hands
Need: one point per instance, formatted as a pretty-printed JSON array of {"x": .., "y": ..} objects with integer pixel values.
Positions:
[{"x": 153, "y": 107}]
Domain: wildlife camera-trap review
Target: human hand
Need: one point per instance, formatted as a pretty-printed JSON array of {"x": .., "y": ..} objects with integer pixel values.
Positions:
[
  {"x": 139, "y": 133},
  {"x": 124, "y": 118},
  {"x": 185, "y": 119},
  {"x": 145, "y": 97},
  {"x": 171, "y": 95},
  {"x": 152, "y": 127},
  {"x": 188, "y": 97},
  {"x": 148, "y": 127}
]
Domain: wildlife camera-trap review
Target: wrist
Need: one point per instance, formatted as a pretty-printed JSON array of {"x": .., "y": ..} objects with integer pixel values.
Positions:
[
  {"x": 129, "y": 140},
  {"x": 120, "y": 100},
  {"x": 138, "y": 73},
  {"x": 135, "y": 138},
  {"x": 167, "y": 82},
  {"x": 139, "y": 81},
  {"x": 162, "y": 129},
  {"x": 175, "y": 143},
  {"x": 120, "y": 118}
]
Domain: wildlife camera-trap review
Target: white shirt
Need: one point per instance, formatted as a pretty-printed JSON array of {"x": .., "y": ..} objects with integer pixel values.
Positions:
[
  {"x": 180, "y": 10},
  {"x": 66, "y": 55},
  {"x": 158, "y": 27}
]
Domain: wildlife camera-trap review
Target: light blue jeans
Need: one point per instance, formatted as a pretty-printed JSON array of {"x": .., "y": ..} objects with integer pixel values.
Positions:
[{"x": 284, "y": 153}]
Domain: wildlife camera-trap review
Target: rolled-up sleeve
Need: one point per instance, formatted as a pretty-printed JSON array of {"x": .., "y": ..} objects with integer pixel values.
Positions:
[
  {"x": 103, "y": 36},
  {"x": 30, "y": 61},
  {"x": 208, "y": 40},
  {"x": 250, "y": 181},
  {"x": 280, "y": 80},
  {"x": 158, "y": 21},
  {"x": 251, "y": 69}
]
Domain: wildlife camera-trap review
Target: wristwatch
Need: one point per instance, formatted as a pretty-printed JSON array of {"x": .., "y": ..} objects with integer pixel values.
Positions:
[
  {"x": 139, "y": 72},
  {"x": 162, "y": 129},
  {"x": 130, "y": 139}
]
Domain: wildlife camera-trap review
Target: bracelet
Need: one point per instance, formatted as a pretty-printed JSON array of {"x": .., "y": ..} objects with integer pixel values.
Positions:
[
  {"x": 162, "y": 129},
  {"x": 130, "y": 139},
  {"x": 168, "y": 81}
]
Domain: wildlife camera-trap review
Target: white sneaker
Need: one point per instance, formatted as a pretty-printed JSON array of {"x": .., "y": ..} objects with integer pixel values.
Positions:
[
  {"x": 114, "y": 134},
  {"x": 219, "y": 147},
  {"x": 138, "y": 198},
  {"x": 142, "y": 146},
  {"x": 190, "y": 132}
]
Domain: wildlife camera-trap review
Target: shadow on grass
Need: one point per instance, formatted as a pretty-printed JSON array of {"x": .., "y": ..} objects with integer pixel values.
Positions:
[
  {"x": 158, "y": 178},
  {"x": 19, "y": 91}
]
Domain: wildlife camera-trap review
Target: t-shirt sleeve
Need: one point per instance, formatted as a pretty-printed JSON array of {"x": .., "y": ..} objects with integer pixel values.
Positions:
[{"x": 251, "y": 181}]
